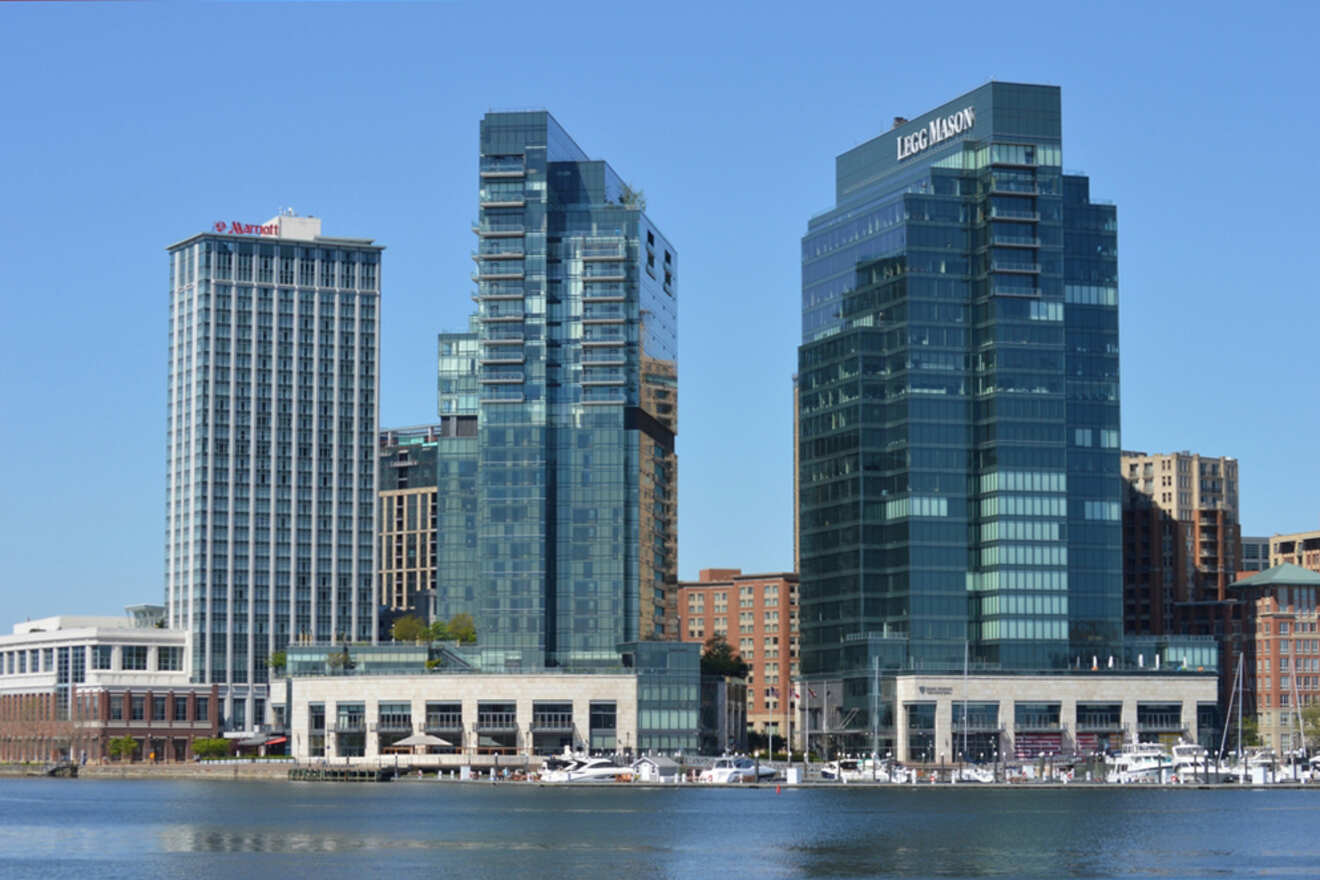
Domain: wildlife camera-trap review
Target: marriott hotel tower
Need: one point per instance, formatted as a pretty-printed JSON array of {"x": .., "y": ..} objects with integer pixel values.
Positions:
[{"x": 270, "y": 458}]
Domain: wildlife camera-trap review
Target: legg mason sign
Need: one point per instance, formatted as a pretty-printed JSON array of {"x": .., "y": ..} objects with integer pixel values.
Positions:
[{"x": 938, "y": 130}]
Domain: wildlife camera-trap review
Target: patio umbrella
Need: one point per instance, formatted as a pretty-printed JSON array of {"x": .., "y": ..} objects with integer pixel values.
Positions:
[{"x": 422, "y": 739}]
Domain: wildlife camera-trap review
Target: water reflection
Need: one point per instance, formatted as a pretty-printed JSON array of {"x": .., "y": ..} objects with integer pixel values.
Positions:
[{"x": 204, "y": 830}]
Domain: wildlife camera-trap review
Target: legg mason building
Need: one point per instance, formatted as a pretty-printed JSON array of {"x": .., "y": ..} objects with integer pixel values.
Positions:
[{"x": 958, "y": 455}]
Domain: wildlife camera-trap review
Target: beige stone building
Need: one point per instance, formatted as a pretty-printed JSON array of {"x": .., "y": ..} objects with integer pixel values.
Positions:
[
  {"x": 355, "y": 719},
  {"x": 986, "y": 716},
  {"x": 1299, "y": 548},
  {"x": 1182, "y": 483}
]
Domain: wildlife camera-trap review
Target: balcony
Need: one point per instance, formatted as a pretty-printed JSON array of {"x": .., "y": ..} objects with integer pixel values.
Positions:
[
  {"x": 504, "y": 254},
  {"x": 1013, "y": 188},
  {"x": 503, "y": 356},
  {"x": 502, "y": 378},
  {"x": 603, "y": 292},
  {"x": 1016, "y": 216},
  {"x": 552, "y": 721},
  {"x": 511, "y": 272},
  {"x": 605, "y": 357},
  {"x": 488, "y": 721},
  {"x": 502, "y": 230},
  {"x": 1098, "y": 724},
  {"x": 502, "y": 394},
  {"x": 495, "y": 169},
  {"x": 612, "y": 251},
  {"x": 603, "y": 272},
  {"x": 444, "y": 721},
  {"x": 1014, "y": 241},
  {"x": 1020, "y": 268}
]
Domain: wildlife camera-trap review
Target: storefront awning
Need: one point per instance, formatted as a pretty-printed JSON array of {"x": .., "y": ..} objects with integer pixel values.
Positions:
[{"x": 274, "y": 741}]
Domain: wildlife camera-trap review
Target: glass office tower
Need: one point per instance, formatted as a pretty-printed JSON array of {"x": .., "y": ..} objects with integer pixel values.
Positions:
[
  {"x": 576, "y": 366},
  {"x": 270, "y": 492},
  {"x": 959, "y": 408}
]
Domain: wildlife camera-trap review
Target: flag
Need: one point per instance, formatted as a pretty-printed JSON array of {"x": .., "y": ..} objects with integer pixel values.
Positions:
[{"x": 811, "y": 693}]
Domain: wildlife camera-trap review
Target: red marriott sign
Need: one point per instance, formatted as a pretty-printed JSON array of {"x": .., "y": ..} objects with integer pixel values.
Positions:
[{"x": 233, "y": 227}]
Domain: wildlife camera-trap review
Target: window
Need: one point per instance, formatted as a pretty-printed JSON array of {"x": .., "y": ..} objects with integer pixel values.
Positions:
[
  {"x": 102, "y": 656},
  {"x": 180, "y": 708},
  {"x": 169, "y": 658},
  {"x": 138, "y": 708},
  {"x": 157, "y": 708},
  {"x": 116, "y": 707},
  {"x": 134, "y": 656},
  {"x": 203, "y": 708}
]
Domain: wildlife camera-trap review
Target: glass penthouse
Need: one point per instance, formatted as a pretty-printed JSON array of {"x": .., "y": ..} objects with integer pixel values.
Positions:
[
  {"x": 574, "y": 348},
  {"x": 271, "y": 447},
  {"x": 959, "y": 427}
]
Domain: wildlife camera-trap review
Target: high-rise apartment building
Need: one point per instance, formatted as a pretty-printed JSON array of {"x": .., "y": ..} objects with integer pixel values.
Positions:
[
  {"x": 407, "y": 517},
  {"x": 958, "y": 412},
  {"x": 572, "y": 378},
  {"x": 1182, "y": 550},
  {"x": 271, "y": 447}
]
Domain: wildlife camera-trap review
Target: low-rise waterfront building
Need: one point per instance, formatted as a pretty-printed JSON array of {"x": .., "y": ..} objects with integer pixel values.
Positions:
[
  {"x": 355, "y": 702},
  {"x": 989, "y": 716},
  {"x": 70, "y": 684}
]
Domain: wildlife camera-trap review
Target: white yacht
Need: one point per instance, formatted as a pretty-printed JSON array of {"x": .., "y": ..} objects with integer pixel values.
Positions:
[
  {"x": 743, "y": 769},
  {"x": 1140, "y": 762},
  {"x": 586, "y": 770},
  {"x": 863, "y": 770},
  {"x": 1192, "y": 765}
]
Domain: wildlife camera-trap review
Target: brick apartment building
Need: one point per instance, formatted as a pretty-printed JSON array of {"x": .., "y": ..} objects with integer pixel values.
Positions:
[{"x": 758, "y": 614}]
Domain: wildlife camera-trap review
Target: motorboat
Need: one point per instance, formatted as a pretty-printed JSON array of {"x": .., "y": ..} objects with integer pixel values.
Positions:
[
  {"x": 1140, "y": 762},
  {"x": 863, "y": 770},
  {"x": 586, "y": 770},
  {"x": 1192, "y": 765},
  {"x": 845, "y": 770},
  {"x": 741, "y": 769},
  {"x": 974, "y": 773}
]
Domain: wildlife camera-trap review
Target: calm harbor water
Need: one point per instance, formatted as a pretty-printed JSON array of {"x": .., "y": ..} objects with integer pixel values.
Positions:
[{"x": 201, "y": 830}]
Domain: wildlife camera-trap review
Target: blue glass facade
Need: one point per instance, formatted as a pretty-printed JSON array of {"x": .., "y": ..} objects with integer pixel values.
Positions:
[
  {"x": 575, "y": 382},
  {"x": 958, "y": 393}
]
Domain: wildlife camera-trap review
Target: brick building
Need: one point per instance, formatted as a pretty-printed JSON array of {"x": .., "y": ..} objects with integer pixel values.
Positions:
[
  {"x": 758, "y": 614},
  {"x": 68, "y": 685},
  {"x": 1281, "y": 667}
]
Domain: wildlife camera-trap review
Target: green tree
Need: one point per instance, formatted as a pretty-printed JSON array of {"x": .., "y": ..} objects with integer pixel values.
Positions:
[
  {"x": 409, "y": 628},
  {"x": 463, "y": 629},
  {"x": 1311, "y": 727},
  {"x": 122, "y": 747},
  {"x": 718, "y": 658},
  {"x": 1250, "y": 732},
  {"x": 339, "y": 661},
  {"x": 278, "y": 660},
  {"x": 459, "y": 628},
  {"x": 211, "y": 747}
]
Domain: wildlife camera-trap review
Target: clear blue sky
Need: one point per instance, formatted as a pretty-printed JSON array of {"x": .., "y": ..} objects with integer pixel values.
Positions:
[{"x": 126, "y": 127}]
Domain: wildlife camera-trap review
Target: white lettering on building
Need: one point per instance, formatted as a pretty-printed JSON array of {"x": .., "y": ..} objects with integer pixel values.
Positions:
[{"x": 937, "y": 131}]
